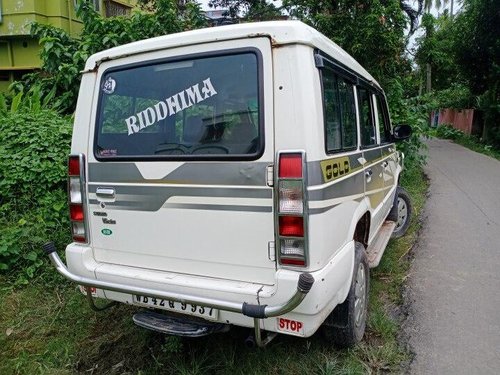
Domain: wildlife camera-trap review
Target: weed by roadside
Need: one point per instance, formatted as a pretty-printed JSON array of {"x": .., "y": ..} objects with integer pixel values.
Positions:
[{"x": 471, "y": 142}]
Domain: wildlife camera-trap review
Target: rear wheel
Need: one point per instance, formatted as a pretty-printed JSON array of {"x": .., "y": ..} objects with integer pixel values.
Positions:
[
  {"x": 345, "y": 326},
  {"x": 401, "y": 212}
]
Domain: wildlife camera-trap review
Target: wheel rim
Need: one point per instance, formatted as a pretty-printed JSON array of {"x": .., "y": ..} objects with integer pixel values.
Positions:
[
  {"x": 360, "y": 296},
  {"x": 402, "y": 213}
]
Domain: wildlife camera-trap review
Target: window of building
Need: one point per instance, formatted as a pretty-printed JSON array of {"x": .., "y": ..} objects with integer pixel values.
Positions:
[
  {"x": 4, "y": 75},
  {"x": 95, "y": 3},
  {"x": 116, "y": 9}
]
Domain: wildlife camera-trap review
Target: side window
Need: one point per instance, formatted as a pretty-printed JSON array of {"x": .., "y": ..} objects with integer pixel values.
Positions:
[
  {"x": 332, "y": 111},
  {"x": 366, "y": 120},
  {"x": 382, "y": 120},
  {"x": 348, "y": 110},
  {"x": 339, "y": 112}
]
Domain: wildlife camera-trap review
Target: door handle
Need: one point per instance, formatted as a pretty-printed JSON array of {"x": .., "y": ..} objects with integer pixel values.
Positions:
[
  {"x": 368, "y": 173},
  {"x": 385, "y": 164},
  {"x": 108, "y": 193}
]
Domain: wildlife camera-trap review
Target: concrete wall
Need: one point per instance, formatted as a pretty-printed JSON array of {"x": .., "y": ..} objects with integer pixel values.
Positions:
[{"x": 461, "y": 119}]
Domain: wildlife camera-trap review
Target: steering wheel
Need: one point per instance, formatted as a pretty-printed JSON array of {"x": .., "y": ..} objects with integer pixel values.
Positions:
[
  {"x": 171, "y": 149},
  {"x": 224, "y": 149}
]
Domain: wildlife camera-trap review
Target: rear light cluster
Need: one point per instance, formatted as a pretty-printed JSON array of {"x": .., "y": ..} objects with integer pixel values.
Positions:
[
  {"x": 292, "y": 228},
  {"x": 76, "y": 196}
]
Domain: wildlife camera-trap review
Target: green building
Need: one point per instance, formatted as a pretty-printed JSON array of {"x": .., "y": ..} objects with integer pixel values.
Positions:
[{"x": 19, "y": 50}]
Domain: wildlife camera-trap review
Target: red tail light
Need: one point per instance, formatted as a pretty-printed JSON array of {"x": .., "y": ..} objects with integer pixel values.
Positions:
[
  {"x": 291, "y": 208},
  {"x": 76, "y": 212},
  {"x": 76, "y": 194},
  {"x": 290, "y": 166},
  {"x": 291, "y": 226},
  {"x": 74, "y": 166},
  {"x": 293, "y": 262}
]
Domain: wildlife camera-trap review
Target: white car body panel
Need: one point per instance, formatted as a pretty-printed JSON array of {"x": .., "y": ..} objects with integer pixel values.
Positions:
[{"x": 224, "y": 247}]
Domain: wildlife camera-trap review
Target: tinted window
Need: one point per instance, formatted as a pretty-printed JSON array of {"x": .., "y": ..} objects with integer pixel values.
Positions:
[
  {"x": 339, "y": 112},
  {"x": 204, "y": 107},
  {"x": 348, "y": 113},
  {"x": 383, "y": 124},
  {"x": 332, "y": 111},
  {"x": 366, "y": 120}
]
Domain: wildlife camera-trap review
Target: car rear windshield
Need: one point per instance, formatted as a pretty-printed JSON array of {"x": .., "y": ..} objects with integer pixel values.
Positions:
[{"x": 207, "y": 107}]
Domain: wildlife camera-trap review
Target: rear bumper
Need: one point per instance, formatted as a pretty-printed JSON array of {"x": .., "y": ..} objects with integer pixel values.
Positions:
[
  {"x": 238, "y": 302},
  {"x": 304, "y": 285}
]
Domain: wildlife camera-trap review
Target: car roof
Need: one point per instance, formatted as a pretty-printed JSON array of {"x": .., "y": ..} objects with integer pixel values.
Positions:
[{"x": 280, "y": 33}]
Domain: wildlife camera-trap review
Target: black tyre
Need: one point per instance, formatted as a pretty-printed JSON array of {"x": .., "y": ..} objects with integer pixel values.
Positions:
[
  {"x": 346, "y": 324},
  {"x": 401, "y": 212}
]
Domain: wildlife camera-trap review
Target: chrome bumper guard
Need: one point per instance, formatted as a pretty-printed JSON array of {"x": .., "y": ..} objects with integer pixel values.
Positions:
[{"x": 304, "y": 285}]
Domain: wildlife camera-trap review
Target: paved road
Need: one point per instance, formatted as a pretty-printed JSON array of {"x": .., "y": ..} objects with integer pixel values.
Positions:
[{"x": 454, "y": 285}]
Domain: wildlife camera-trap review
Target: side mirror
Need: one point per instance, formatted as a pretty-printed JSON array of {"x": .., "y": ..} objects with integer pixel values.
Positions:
[{"x": 401, "y": 132}]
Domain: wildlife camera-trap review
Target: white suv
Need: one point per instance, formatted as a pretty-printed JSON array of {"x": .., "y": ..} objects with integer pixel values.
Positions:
[{"x": 239, "y": 175}]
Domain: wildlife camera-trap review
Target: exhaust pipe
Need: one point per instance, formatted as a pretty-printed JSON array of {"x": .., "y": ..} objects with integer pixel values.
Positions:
[{"x": 250, "y": 342}]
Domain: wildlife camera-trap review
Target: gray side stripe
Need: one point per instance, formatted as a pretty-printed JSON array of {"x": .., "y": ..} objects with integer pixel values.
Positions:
[
  {"x": 315, "y": 175},
  {"x": 354, "y": 184},
  {"x": 196, "y": 173},
  {"x": 168, "y": 191},
  {"x": 370, "y": 154},
  {"x": 388, "y": 149},
  {"x": 131, "y": 206},
  {"x": 152, "y": 198},
  {"x": 317, "y": 211},
  {"x": 217, "y": 207}
]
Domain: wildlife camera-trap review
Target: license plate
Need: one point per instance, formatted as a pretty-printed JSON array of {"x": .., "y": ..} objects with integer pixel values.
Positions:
[{"x": 180, "y": 307}]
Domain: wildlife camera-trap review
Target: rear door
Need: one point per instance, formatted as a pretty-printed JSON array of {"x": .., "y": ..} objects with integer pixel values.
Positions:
[
  {"x": 372, "y": 153},
  {"x": 178, "y": 158},
  {"x": 388, "y": 149}
]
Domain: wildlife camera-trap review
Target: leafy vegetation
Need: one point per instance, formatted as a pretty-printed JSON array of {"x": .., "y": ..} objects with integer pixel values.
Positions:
[
  {"x": 463, "y": 54},
  {"x": 471, "y": 142},
  {"x": 34, "y": 143}
]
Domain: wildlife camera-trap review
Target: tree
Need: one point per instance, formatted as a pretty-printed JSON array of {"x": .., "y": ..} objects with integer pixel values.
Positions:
[
  {"x": 429, "y": 4},
  {"x": 249, "y": 10},
  {"x": 372, "y": 32},
  {"x": 435, "y": 51},
  {"x": 477, "y": 53}
]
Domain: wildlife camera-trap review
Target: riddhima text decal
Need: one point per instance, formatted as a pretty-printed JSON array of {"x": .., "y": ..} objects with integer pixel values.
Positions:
[{"x": 170, "y": 106}]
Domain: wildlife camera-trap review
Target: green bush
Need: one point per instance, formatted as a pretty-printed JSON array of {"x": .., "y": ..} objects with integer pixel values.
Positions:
[
  {"x": 25, "y": 226},
  {"x": 410, "y": 112},
  {"x": 34, "y": 146},
  {"x": 448, "y": 132}
]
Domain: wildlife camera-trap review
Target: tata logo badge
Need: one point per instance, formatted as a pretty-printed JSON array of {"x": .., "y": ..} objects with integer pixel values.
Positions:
[
  {"x": 107, "y": 232},
  {"x": 109, "y": 86}
]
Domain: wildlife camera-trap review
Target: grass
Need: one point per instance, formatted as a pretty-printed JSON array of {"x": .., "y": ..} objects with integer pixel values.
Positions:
[
  {"x": 49, "y": 329},
  {"x": 473, "y": 144}
]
